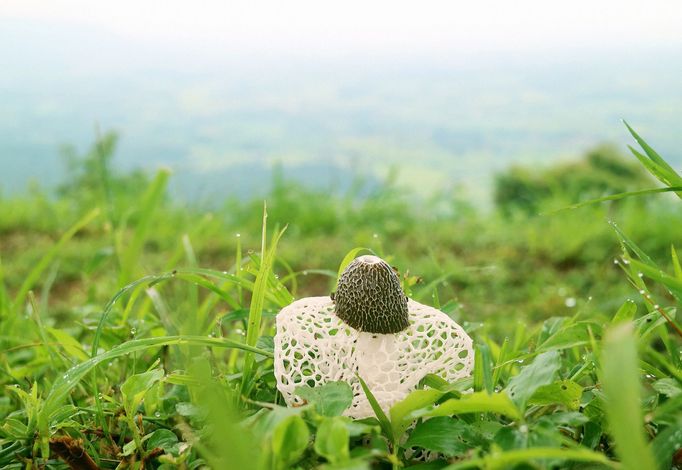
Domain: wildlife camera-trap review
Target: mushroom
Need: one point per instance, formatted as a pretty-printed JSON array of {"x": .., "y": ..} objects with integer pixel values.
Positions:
[{"x": 367, "y": 328}]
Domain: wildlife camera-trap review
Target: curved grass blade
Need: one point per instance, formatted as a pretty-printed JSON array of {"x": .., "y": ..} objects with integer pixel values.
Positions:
[
  {"x": 615, "y": 197},
  {"x": 652, "y": 154},
  {"x": 350, "y": 256},
  {"x": 512, "y": 457},
  {"x": 63, "y": 385}
]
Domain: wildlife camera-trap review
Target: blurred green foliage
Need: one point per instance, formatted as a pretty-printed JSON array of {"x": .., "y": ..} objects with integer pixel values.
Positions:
[{"x": 602, "y": 171}]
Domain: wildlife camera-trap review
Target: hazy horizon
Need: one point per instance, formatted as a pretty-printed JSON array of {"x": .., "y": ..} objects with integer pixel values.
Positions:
[{"x": 449, "y": 94}]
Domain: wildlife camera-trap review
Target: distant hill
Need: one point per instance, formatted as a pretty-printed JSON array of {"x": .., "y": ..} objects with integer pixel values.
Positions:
[{"x": 222, "y": 126}]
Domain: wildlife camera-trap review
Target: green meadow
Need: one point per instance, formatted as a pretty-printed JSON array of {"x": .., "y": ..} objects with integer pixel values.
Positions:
[{"x": 136, "y": 328}]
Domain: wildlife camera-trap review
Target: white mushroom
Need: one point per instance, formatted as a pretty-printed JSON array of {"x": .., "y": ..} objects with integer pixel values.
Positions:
[{"x": 367, "y": 328}]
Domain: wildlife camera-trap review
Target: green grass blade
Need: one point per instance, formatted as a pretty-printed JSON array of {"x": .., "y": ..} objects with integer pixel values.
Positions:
[
  {"x": 45, "y": 261},
  {"x": 659, "y": 173},
  {"x": 677, "y": 268},
  {"x": 615, "y": 197},
  {"x": 631, "y": 245},
  {"x": 621, "y": 385},
  {"x": 384, "y": 422},
  {"x": 150, "y": 201},
  {"x": 483, "y": 377},
  {"x": 4, "y": 299},
  {"x": 652, "y": 154},
  {"x": 258, "y": 301},
  {"x": 672, "y": 283},
  {"x": 350, "y": 256}
]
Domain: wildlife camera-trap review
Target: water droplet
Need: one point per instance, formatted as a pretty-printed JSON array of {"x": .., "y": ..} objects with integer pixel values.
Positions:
[
  {"x": 305, "y": 273},
  {"x": 626, "y": 261},
  {"x": 570, "y": 302},
  {"x": 642, "y": 291},
  {"x": 158, "y": 414},
  {"x": 656, "y": 307},
  {"x": 589, "y": 298},
  {"x": 615, "y": 261},
  {"x": 276, "y": 276},
  {"x": 640, "y": 274},
  {"x": 224, "y": 272},
  {"x": 133, "y": 331},
  {"x": 237, "y": 235}
]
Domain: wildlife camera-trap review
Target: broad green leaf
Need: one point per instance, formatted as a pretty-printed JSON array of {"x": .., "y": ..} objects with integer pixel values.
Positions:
[
  {"x": 135, "y": 387},
  {"x": 542, "y": 371},
  {"x": 440, "y": 434},
  {"x": 574, "y": 335},
  {"x": 666, "y": 444},
  {"x": 330, "y": 399},
  {"x": 620, "y": 381},
  {"x": 163, "y": 439},
  {"x": 478, "y": 402},
  {"x": 331, "y": 441},
  {"x": 668, "y": 387},
  {"x": 289, "y": 440},
  {"x": 401, "y": 412},
  {"x": 563, "y": 392}
]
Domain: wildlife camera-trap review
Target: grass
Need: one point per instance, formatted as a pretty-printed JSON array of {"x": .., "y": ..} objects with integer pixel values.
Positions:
[{"x": 119, "y": 350}]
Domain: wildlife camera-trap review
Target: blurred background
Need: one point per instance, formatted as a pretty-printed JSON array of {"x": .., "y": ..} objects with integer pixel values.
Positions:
[
  {"x": 433, "y": 134},
  {"x": 444, "y": 92}
]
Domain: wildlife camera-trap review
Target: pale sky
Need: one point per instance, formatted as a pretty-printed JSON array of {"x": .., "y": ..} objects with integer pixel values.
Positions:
[{"x": 370, "y": 26}]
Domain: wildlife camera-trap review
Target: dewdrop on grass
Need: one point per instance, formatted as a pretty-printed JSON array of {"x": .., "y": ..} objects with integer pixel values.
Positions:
[{"x": 367, "y": 328}]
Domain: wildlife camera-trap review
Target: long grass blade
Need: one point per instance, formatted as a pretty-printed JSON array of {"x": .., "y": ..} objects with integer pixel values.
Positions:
[
  {"x": 150, "y": 201},
  {"x": 620, "y": 379}
]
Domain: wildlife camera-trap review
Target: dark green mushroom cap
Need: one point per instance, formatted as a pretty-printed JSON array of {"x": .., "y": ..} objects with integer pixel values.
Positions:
[{"x": 369, "y": 297}]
